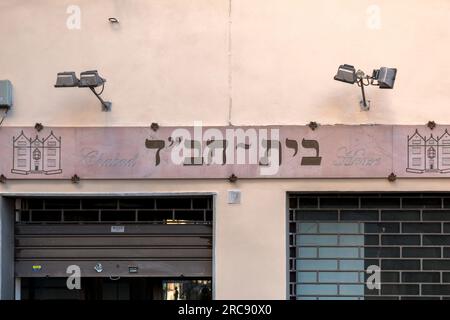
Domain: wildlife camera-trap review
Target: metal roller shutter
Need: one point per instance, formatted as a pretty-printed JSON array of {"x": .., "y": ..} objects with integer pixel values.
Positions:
[{"x": 158, "y": 237}]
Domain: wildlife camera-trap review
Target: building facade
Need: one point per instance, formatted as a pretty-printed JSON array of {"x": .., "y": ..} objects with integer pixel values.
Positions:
[{"x": 302, "y": 216}]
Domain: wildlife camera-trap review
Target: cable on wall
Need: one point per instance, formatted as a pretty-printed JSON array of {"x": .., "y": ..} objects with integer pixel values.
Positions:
[{"x": 3, "y": 117}]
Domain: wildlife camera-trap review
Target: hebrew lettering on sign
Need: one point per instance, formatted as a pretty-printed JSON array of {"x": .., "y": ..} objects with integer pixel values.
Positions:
[
  {"x": 205, "y": 152},
  {"x": 315, "y": 160}
]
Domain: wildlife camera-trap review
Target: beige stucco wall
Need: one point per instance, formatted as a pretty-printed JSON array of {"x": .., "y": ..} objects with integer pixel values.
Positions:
[
  {"x": 176, "y": 61},
  {"x": 250, "y": 238},
  {"x": 168, "y": 61}
]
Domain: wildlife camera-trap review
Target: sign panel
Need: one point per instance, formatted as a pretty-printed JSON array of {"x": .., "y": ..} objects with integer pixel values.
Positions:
[
  {"x": 421, "y": 152},
  {"x": 334, "y": 151}
]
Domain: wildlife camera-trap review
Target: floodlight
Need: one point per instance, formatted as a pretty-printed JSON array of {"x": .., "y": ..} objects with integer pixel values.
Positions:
[
  {"x": 88, "y": 79},
  {"x": 386, "y": 77},
  {"x": 66, "y": 80},
  {"x": 346, "y": 73},
  {"x": 91, "y": 79}
]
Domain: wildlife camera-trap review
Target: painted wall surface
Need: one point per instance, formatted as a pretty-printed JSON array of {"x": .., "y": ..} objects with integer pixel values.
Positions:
[
  {"x": 250, "y": 238},
  {"x": 176, "y": 61},
  {"x": 269, "y": 62}
]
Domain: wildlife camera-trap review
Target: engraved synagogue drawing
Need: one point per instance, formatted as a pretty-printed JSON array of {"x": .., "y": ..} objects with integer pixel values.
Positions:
[
  {"x": 428, "y": 154},
  {"x": 36, "y": 156}
]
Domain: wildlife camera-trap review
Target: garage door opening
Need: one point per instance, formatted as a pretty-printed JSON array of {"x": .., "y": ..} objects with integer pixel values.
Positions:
[
  {"x": 127, "y": 288},
  {"x": 152, "y": 248}
]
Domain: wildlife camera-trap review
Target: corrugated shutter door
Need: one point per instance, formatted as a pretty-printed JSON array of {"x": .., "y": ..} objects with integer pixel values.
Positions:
[{"x": 157, "y": 250}]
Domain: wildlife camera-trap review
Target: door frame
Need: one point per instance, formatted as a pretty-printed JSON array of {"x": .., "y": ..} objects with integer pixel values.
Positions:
[{"x": 12, "y": 195}]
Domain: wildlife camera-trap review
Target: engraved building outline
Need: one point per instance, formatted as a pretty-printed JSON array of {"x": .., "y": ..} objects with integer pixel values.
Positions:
[
  {"x": 36, "y": 156},
  {"x": 428, "y": 155}
]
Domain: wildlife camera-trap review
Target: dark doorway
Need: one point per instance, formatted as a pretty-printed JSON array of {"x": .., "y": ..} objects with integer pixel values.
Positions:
[{"x": 125, "y": 288}]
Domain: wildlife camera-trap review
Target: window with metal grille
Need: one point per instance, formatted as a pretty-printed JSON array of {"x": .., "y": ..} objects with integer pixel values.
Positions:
[
  {"x": 157, "y": 210},
  {"x": 330, "y": 260},
  {"x": 334, "y": 237}
]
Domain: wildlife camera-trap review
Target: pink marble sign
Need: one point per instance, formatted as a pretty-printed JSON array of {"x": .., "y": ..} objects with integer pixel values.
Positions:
[{"x": 365, "y": 151}]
